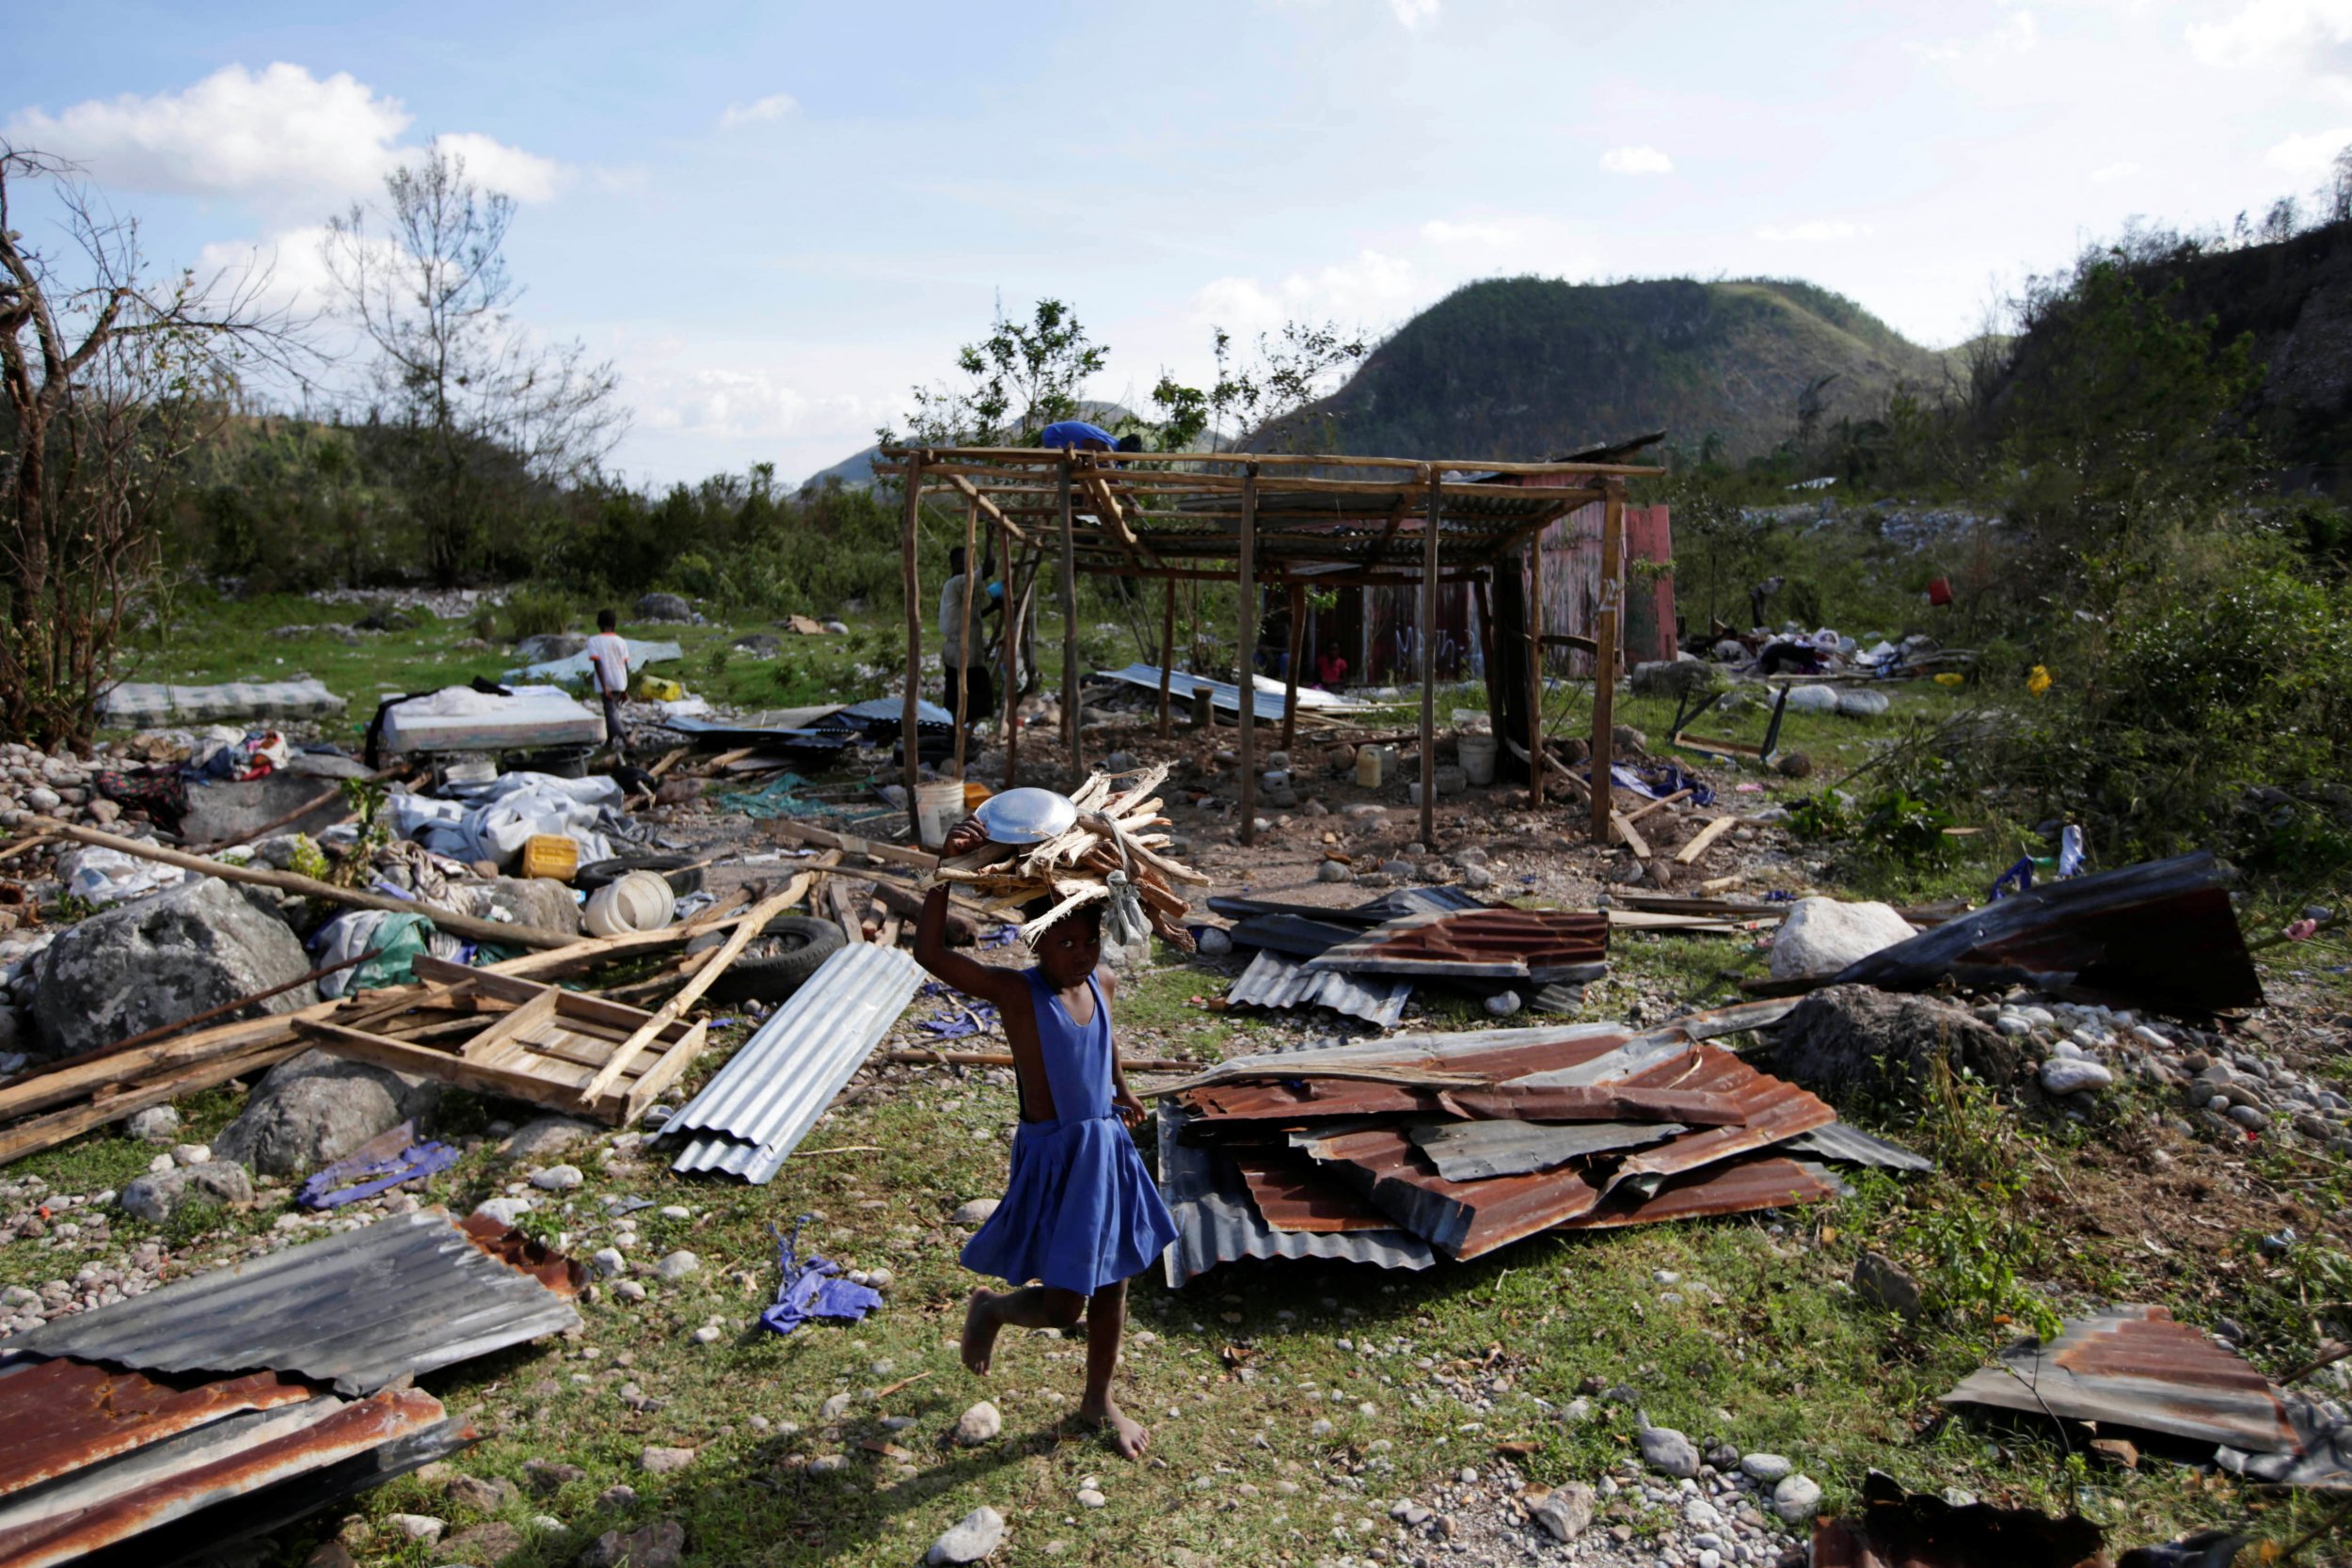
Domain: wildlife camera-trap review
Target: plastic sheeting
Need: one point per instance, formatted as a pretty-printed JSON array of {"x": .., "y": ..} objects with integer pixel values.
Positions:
[
  {"x": 101, "y": 877},
  {"x": 576, "y": 667},
  {"x": 491, "y": 821}
]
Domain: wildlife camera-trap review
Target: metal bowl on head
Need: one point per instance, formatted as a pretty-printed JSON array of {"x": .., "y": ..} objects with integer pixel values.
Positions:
[{"x": 1025, "y": 816}]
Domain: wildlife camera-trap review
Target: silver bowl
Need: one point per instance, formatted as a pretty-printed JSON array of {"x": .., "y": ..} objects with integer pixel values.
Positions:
[{"x": 1028, "y": 816}]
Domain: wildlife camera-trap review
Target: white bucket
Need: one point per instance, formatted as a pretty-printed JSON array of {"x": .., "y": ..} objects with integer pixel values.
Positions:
[
  {"x": 1477, "y": 754},
  {"x": 937, "y": 808},
  {"x": 638, "y": 901}
]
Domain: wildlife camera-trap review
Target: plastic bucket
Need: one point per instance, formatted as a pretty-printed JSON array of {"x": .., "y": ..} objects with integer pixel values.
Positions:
[
  {"x": 937, "y": 808},
  {"x": 1370, "y": 765},
  {"x": 1477, "y": 754},
  {"x": 640, "y": 901}
]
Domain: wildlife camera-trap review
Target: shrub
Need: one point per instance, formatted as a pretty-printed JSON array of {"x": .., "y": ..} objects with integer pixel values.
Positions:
[{"x": 531, "y": 613}]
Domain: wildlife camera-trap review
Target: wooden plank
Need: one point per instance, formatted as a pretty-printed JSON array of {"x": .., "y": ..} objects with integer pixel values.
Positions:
[
  {"x": 1536, "y": 757},
  {"x": 1426, "y": 639},
  {"x": 1016, "y": 608},
  {"x": 1625, "y": 831},
  {"x": 444, "y": 1065},
  {"x": 691, "y": 991},
  {"x": 963, "y": 633},
  {"x": 47, "y": 1131},
  {"x": 664, "y": 1070},
  {"x": 1605, "y": 656},
  {"x": 501, "y": 1041},
  {"x": 1658, "y": 804},
  {"x": 1296, "y": 600},
  {"x": 1707, "y": 836},
  {"x": 1244, "y": 658},
  {"x": 910, "y": 575},
  {"x": 848, "y": 844}
]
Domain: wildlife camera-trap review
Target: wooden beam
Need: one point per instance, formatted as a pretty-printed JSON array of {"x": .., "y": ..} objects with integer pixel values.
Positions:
[
  {"x": 1535, "y": 757},
  {"x": 1624, "y": 828},
  {"x": 624, "y": 1054},
  {"x": 1146, "y": 462},
  {"x": 1427, "y": 639},
  {"x": 1298, "y": 602},
  {"x": 1168, "y": 652},
  {"x": 1705, "y": 837},
  {"x": 1070, "y": 633},
  {"x": 971, "y": 492},
  {"x": 1605, "y": 657},
  {"x": 1014, "y": 610},
  {"x": 1245, "y": 657},
  {"x": 824, "y": 838},
  {"x": 963, "y": 632},
  {"x": 1660, "y": 804},
  {"x": 909, "y": 582}
]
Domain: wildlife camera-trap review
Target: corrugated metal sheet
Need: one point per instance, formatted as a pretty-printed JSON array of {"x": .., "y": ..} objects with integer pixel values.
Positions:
[
  {"x": 1734, "y": 1187},
  {"x": 1298, "y": 935},
  {"x": 59, "y": 1416},
  {"x": 1853, "y": 1147},
  {"x": 2136, "y": 1368},
  {"x": 361, "y": 1310},
  {"x": 1771, "y": 1111},
  {"x": 1474, "y": 1150},
  {"x": 752, "y": 1114},
  {"x": 1376, "y": 911},
  {"x": 1511, "y": 1053},
  {"x": 1499, "y": 943},
  {"x": 1274, "y": 981},
  {"x": 1291, "y": 1195},
  {"x": 1215, "y": 1222},
  {"x": 1461, "y": 1219},
  {"x": 1266, "y": 706}
]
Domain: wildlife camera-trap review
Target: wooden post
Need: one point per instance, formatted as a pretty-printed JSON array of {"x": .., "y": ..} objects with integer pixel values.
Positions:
[
  {"x": 1426, "y": 638},
  {"x": 963, "y": 632},
  {"x": 911, "y": 584},
  {"x": 1012, "y": 652},
  {"x": 1605, "y": 654},
  {"x": 1167, "y": 651},
  {"x": 1070, "y": 630},
  {"x": 1485, "y": 600},
  {"x": 1535, "y": 674},
  {"x": 1244, "y": 656},
  {"x": 1297, "y": 599}
]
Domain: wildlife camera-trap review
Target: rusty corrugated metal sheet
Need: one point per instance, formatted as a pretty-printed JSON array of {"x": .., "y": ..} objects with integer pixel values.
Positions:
[
  {"x": 1771, "y": 1109},
  {"x": 1215, "y": 1222},
  {"x": 124, "y": 1500},
  {"x": 2136, "y": 1368},
  {"x": 1736, "y": 1187},
  {"x": 1290, "y": 1195},
  {"x": 1461, "y": 1219},
  {"x": 1474, "y": 1150},
  {"x": 59, "y": 1416},
  {"x": 1500, "y": 944},
  {"x": 525, "y": 1255},
  {"x": 1274, "y": 981}
]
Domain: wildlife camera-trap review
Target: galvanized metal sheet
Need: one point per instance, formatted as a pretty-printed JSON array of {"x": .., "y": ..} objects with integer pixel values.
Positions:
[
  {"x": 1274, "y": 981},
  {"x": 1851, "y": 1146},
  {"x": 1296, "y": 934},
  {"x": 2136, "y": 1368},
  {"x": 1486, "y": 944},
  {"x": 1771, "y": 1111},
  {"x": 1474, "y": 1150},
  {"x": 1461, "y": 1219},
  {"x": 1265, "y": 704},
  {"x": 757, "y": 1109},
  {"x": 1215, "y": 1222},
  {"x": 362, "y": 1309},
  {"x": 1501, "y": 1053},
  {"x": 59, "y": 1416}
]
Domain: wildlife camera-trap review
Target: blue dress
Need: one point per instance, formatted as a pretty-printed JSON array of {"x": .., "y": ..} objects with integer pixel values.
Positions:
[{"x": 1079, "y": 1211}]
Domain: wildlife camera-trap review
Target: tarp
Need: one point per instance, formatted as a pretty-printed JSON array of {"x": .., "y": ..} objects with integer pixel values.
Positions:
[{"x": 576, "y": 667}]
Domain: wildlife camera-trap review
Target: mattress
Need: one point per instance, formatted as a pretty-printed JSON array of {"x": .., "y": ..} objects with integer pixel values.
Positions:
[
  {"x": 141, "y": 703},
  {"x": 463, "y": 719}
]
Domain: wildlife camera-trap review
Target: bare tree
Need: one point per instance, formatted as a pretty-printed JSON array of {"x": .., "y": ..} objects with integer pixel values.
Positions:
[
  {"x": 424, "y": 275},
  {"x": 112, "y": 374}
]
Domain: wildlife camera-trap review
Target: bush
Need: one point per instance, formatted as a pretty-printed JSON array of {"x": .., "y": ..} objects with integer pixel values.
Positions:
[{"x": 532, "y": 613}]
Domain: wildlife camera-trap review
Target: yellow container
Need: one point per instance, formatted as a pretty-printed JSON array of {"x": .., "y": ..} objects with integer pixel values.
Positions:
[
  {"x": 974, "y": 793},
  {"x": 551, "y": 855},
  {"x": 655, "y": 688}
]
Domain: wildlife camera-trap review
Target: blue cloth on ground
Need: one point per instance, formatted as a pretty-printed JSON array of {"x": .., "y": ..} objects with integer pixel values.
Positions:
[
  {"x": 1079, "y": 1211},
  {"x": 812, "y": 1288},
  {"x": 362, "y": 1174}
]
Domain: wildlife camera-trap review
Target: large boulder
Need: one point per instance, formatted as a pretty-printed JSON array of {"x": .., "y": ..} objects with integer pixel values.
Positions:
[
  {"x": 316, "y": 1108},
  {"x": 162, "y": 958},
  {"x": 1822, "y": 936},
  {"x": 663, "y": 606},
  {"x": 1858, "y": 1040}
]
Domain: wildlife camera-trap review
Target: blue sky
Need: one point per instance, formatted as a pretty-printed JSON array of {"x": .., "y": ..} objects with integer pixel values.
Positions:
[{"x": 774, "y": 219}]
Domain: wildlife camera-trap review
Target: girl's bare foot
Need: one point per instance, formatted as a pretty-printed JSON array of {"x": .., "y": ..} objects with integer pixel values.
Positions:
[
  {"x": 1127, "y": 1433},
  {"x": 980, "y": 1324}
]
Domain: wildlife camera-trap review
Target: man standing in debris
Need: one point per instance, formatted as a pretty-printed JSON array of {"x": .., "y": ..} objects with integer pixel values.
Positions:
[
  {"x": 608, "y": 659},
  {"x": 965, "y": 640}
]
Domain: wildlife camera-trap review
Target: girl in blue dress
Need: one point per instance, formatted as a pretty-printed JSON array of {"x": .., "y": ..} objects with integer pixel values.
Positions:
[{"x": 1080, "y": 1214}]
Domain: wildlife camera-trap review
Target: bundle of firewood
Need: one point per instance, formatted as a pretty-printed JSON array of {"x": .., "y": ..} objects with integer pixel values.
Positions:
[{"x": 1116, "y": 831}]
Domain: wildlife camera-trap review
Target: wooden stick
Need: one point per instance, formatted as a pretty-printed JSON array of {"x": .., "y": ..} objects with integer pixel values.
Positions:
[
  {"x": 1428, "y": 641},
  {"x": 1244, "y": 658},
  {"x": 824, "y": 838},
  {"x": 963, "y": 632},
  {"x": 1605, "y": 656},
  {"x": 25, "y": 847},
  {"x": 1016, "y": 608},
  {"x": 1663, "y": 801},
  {"x": 1536, "y": 756},
  {"x": 1633, "y": 841},
  {"x": 31, "y": 1137},
  {"x": 910, "y": 580},
  {"x": 1707, "y": 836},
  {"x": 662, "y": 768},
  {"x": 1167, "y": 651},
  {"x": 1298, "y": 602},
  {"x": 288, "y": 881},
  {"x": 1070, "y": 626},
  {"x": 625, "y": 1054}
]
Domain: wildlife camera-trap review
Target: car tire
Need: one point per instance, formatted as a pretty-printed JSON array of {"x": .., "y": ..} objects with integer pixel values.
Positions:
[
  {"x": 680, "y": 871},
  {"x": 773, "y": 978}
]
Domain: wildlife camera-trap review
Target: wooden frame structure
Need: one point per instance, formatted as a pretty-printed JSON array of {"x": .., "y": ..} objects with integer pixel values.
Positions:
[{"x": 1276, "y": 520}]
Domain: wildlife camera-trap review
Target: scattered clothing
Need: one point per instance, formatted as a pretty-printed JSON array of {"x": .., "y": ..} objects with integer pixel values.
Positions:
[
  {"x": 812, "y": 1288},
  {"x": 377, "y": 1166}
]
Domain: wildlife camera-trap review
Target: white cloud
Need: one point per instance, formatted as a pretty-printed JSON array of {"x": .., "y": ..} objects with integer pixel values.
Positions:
[
  {"x": 1369, "y": 291},
  {"x": 2307, "y": 156},
  {"x": 759, "y": 111},
  {"x": 1816, "y": 232},
  {"x": 2273, "y": 33},
  {"x": 278, "y": 136},
  {"x": 1635, "y": 160},
  {"x": 1440, "y": 231},
  {"x": 1413, "y": 15},
  {"x": 2017, "y": 34},
  {"x": 2109, "y": 173}
]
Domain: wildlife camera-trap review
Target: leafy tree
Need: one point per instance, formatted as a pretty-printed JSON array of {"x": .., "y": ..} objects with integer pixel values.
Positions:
[
  {"x": 1022, "y": 377},
  {"x": 1293, "y": 370}
]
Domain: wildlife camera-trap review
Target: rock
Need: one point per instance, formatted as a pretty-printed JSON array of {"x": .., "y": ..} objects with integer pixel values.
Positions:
[
  {"x": 606, "y": 1261},
  {"x": 414, "y": 1527},
  {"x": 1626, "y": 741},
  {"x": 1566, "y": 1510},
  {"x": 161, "y": 1194},
  {"x": 1674, "y": 679},
  {"x": 330, "y": 1553},
  {"x": 545, "y": 1135},
  {"x": 2071, "y": 1075},
  {"x": 157, "y": 1124},
  {"x": 658, "y": 1460},
  {"x": 1332, "y": 871},
  {"x": 678, "y": 1265},
  {"x": 974, "y": 1537},
  {"x": 663, "y": 606},
  {"x": 1855, "y": 703},
  {"x": 1885, "y": 1284},
  {"x": 482, "y": 1494},
  {"x": 557, "y": 1178},
  {"x": 1766, "y": 1468},
  {"x": 1091, "y": 1497},
  {"x": 191, "y": 1154},
  {"x": 2252, "y": 1117},
  {"x": 835, "y": 1407},
  {"x": 1795, "y": 1498},
  {"x": 161, "y": 959},
  {"x": 549, "y": 646},
  {"x": 1822, "y": 936},
  {"x": 1846, "y": 1039},
  {"x": 975, "y": 1211},
  {"x": 659, "y": 1545},
  {"x": 1812, "y": 699},
  {"x": 548, "y": 1476},
  {"x": 318, "y": 1108},
  {"x": 1792, "y": 765},
  {"x": 506, "y": 1210},
  {"x": 980, "y": 1424},
  {"x": 1477, "y": 875},
  {"x": 493, "y": 1541},
  {"x": 540, "y": 901},
  {"x": 1665, "y": 1450},
  {"x": 1502, "y": 1003}
]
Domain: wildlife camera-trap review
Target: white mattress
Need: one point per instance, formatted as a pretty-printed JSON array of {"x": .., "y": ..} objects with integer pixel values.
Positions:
[{"x": 461, "y": 719}]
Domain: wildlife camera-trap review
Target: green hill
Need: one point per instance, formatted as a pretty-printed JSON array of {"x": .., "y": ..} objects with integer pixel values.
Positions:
[{"x": 1528, "y": 368}]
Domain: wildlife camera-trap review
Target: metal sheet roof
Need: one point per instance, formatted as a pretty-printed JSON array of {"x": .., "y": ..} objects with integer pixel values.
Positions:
[
  {"x": 1853, "y": 1147},
  {"x": 1497, "y": 943},
  {"x": 1461, "y": 1219},
  {"x": 1472, "y": 1151},
  {"x": 1274, "y": 981},
  {"x": 1291, "y": 1195},
  {"x": 757, "y": 1109},
  {"x": 59, "y": 1416},
  {"x": 2136, "y": 1368},
  {"x": 362, "y": 1309},
  {"x": 1266, "y": 705},
  {"x": 1215, "y": 1222},
  {"x": 1733, "y": 1187}
]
